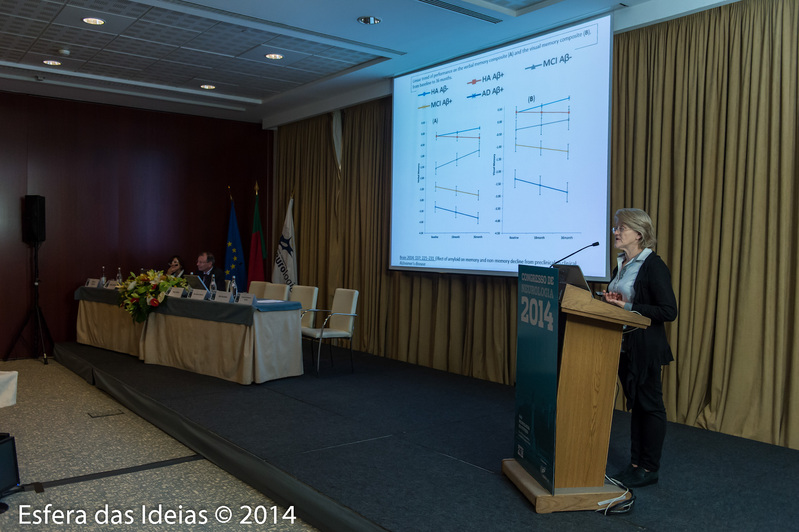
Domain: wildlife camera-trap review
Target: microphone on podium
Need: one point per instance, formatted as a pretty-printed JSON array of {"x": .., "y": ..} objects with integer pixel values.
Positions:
[{"x": 576, "y": 252}]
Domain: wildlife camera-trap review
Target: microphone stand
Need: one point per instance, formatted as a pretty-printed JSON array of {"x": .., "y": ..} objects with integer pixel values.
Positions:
[{"x": 575, "y": 253}]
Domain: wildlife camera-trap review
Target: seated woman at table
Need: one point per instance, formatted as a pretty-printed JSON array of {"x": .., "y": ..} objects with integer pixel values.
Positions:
[{"x": 175, "y": 266}]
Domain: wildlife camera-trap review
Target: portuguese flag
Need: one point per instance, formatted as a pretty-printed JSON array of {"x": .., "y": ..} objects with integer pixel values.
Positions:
[{"x": 257, "y": 248}]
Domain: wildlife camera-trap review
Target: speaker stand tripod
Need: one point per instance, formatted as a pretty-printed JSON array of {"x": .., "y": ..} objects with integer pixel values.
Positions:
[{"x": 35, "y": 315}]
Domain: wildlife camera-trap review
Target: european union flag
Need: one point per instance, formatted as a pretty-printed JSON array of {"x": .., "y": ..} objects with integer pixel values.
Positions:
[{"x": 234, "y": 254}]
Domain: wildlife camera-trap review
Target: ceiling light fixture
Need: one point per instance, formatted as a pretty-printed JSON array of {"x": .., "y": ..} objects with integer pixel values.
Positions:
[
  {"x": 94, "y": 21},
  {"x": 51, "y": 62},
  {"x": 274, "y": 56},
  {"x": 208, "y": 87},
  {"x": 369, "y": 21}
]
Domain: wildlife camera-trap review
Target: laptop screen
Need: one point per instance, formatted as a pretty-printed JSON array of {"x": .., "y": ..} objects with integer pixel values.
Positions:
[
  {"x": 195, "y": 282},
  {"x": 571, "y": 274}
]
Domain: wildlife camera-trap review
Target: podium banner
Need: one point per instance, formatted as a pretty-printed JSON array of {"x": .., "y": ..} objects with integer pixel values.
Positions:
[{"x": 537, "y": 372}]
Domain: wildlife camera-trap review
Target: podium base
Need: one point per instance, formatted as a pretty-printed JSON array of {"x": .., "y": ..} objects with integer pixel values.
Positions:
[{"x": 565, "y": 499}]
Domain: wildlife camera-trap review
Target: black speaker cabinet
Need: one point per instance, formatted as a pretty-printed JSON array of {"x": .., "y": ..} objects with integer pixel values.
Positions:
[
  {"x": 9, "y": 470},
  {"x": 33, "y": 231}
]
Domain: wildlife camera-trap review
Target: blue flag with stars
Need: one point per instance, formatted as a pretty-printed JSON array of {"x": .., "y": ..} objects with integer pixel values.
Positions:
[{"x": 234, "y": 254}]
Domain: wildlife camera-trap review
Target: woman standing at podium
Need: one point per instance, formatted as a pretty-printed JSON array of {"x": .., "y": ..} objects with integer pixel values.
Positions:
[{"x": 641, "y": 283}]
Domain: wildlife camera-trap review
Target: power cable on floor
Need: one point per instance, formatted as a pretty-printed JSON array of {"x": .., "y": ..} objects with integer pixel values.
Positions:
[{"x": 39, "y": 487}]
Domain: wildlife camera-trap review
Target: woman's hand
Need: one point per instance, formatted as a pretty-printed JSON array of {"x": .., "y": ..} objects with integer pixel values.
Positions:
[{"x": 614, "y": 298}]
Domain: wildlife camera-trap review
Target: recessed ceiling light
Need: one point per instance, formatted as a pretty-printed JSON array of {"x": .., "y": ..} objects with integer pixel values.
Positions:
[
  {"x": 94, "y": 21},
  {"x": 51, "y": 62},
  {"x": 369, "y": 21},
  {"x": 274, "y": 56},
  {"x": 208, "y": 87}
]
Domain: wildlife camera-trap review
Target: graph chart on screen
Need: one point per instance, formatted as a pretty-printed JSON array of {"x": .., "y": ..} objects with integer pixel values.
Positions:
[{"x": 501, "y": 158}]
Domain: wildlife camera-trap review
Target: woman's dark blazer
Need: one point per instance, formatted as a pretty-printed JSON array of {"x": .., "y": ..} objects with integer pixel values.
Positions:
[{"x": 654, "y": 299}]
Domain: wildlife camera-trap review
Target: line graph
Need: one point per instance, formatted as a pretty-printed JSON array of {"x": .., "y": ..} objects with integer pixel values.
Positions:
[
  {"x": 541, "y": 148},
  {"x": 456, "y": 167},
  {"x": 500, "y": 159},
  {"x": 541, "y": 187},
  {"x": 457, "y": 191},
  {"x": 470, "y": 136},
  {"x": 455, "y": 160},
  {"x": 461, "y": 134},
  {"x": 553, "y": 116},
  {"x": 456, "y": 212}
]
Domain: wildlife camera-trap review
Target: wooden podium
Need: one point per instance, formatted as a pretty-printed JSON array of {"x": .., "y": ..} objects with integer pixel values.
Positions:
[{"x": 588, "y": 361}]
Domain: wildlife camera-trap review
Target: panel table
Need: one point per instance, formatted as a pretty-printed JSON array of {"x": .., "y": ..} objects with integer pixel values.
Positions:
[{"x": 243, "y": 344}]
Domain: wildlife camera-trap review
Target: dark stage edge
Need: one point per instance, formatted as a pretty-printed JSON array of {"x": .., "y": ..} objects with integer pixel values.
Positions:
[{"x": 400, "y": 447}]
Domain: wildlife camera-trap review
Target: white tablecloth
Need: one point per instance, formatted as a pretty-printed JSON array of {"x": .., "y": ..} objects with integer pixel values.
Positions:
[
  {"x": 108, "y": 327},
  {"x": 8, "y": 388},
  {"x": 226, "y": 341},
  {"x": 268, "y": 349}
]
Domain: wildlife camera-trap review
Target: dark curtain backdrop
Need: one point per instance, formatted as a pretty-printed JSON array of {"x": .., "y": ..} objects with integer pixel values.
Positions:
[
  {"x": 704, "y": 138},
  {"x": 123, "y": 188}
]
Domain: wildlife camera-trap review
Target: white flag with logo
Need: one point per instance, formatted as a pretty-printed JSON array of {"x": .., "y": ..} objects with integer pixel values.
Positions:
[{"x": 285, "y": 269}]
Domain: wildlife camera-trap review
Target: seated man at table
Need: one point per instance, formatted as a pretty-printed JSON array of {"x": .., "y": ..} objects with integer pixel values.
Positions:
[{"x": 208, "y": 271}]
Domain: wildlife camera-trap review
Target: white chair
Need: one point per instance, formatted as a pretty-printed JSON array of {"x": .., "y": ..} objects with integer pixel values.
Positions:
[
  {"x": 276, "y": 291},
  {"x": 257, "y": 289},
  {"x": 339, "y": 323},
  {"x": 307, "y": 296}
]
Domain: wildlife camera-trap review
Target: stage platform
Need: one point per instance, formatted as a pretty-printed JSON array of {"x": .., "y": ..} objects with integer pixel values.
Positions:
[{"x": 400, "y": 447}]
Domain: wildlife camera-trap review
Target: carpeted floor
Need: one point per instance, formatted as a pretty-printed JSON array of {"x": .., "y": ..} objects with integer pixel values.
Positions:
[
  {"x": 85, "y": 451},
  {"x": 399, "y": 447}
]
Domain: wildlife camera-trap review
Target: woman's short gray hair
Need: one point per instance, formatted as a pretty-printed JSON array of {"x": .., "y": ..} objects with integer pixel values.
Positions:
[{"x": 640, "y": 222}]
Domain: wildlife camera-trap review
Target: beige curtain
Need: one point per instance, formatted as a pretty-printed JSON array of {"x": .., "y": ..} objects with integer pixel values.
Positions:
[
  {"x": 704, "y": 139},
  {"x": 306, "y": 169},
  {"x": 461, "y": 324}
]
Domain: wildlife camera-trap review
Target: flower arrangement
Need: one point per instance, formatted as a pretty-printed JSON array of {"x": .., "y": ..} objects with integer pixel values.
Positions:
[{"x": 141, "y": 294}]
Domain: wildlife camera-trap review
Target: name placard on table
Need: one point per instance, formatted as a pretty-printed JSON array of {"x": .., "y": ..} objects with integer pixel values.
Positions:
[
  {"x": 198, "y": 294},
  {"x": 93, "y": 283},
  {"x": 222, "y": 296},
  {"x": 176, "y": 291},
  {"x": 246, "y": 299}
]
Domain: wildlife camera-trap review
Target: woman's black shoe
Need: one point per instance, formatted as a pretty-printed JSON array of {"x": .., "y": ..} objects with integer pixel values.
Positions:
[
  {"x": 640, "y": 477},
  {"x": 627, "y": 474}
]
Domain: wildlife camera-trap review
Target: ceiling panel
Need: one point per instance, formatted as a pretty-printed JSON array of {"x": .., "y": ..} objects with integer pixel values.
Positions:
[
  {"x": 50, "y": 49},
  {"x": 176, "y": 19},
  {"x": 20, "y": 26},
  {"x": 67, "y": 35},
  {"x": 114, "y": 7},
  {"x": 122, "y": 71},
  {"x": 134, "y": 46},
  {"x": 125, "y": 61},
  {"x": 154, "y": 53},
  {"x": 160, "y": 33},
  {"x": 43, "y": 10},
  {"x": 15, "y": 50},
  {"x": 229, "y": 39}
]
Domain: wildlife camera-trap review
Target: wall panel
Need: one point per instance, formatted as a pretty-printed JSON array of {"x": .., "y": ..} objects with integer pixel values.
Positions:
[{"x": 123, "y": 188}]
